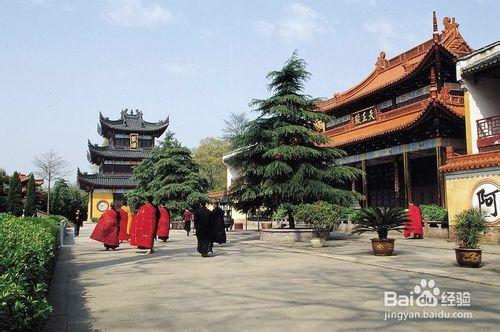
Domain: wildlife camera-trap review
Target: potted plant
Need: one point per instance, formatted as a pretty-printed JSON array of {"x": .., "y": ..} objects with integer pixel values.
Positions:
[
  {"x": 470, "y": 226},
  {"x": 380, "y": 220},
  {"x": 322, "y": 216}
]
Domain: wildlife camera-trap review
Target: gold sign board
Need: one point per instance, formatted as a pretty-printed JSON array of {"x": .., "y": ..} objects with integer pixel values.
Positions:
[
  {"x": 134, "y": 141},
  {"x": 366, "y": 115}
]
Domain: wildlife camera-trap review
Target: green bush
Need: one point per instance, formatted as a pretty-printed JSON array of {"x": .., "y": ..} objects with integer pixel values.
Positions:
[
  {"x": 321, "y": 215},
  {"x": 27, "y": 257},
  {"x": 94, "y": 219},
  {"x": 434, "y": 212},
  {"x": 470, "y": 226}
]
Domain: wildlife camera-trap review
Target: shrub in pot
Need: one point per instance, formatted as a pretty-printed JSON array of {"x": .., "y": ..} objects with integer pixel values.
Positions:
[
  {"x": 381, "y": 221},
  {"x": 470, "y": 226},
  {"x": 322, "y": 216}
]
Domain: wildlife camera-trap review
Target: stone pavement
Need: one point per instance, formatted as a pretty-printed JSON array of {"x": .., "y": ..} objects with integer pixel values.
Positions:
[{"x": 257, "y": 286}]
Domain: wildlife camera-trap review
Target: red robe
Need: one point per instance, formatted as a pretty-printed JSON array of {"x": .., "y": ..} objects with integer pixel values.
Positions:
[
  {"x": 163, "y": 224},
  {"x": 133, "y": 233},
  {"x": 414, "y": 223},
  {"x": 122, "y": 235},
  {"x": 145, "y": 226},
  {"x": 106, "y": 230}
]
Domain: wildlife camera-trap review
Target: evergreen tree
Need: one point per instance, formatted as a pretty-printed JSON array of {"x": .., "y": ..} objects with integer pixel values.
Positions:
[
  {"x": 15, "y": 197},
  {"x": 170, "y": 176},
  {"x": 3, "y": 198},
  {"x": 283, "y": 158},
  {"x": 30, "y": 200},
  {"x": 60, "y": 198}
]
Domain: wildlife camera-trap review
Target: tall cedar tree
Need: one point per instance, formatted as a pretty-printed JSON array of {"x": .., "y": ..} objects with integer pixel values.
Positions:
[
  {"x": 170, "y": 176},
  {"x": 283, "y": 158},
  {"x": 30, "y": 201},
  {"x": 15, "y": 197}
]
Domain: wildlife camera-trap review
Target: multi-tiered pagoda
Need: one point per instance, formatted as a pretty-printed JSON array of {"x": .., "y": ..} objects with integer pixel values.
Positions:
[{"x": 129, "y": 140}]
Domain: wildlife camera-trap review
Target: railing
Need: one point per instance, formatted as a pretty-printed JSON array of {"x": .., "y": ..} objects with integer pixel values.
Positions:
[
  {"x": 488, "y": 127},
  {"x": 488, "y": 133}
]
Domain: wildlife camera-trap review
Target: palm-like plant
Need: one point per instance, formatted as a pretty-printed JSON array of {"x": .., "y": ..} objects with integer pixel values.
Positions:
[
  {"x": 470, "y": 226},
  {"x": 380, "y": 220}
]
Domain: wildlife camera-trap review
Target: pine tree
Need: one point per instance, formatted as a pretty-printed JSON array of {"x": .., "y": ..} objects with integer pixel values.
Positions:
[
  {"x": 284, "y": 160},
  {"x": 170, "y": 176},
  {"x": 14, "y": 197},
  {"x": 30, "y": 200}
]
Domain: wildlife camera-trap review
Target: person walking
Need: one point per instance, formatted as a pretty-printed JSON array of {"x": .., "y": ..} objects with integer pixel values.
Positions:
[
  {"x": 203, "y": 225},
  {"x": 163, "y": 223},
  {"x": 187, "y": 216},
  {"x": 78, "y": 222},
  {"x": 414, "y": 223},
  {"x": 217, "y": 216},
  {"x": 107, "y": 228},
  {"x": 146, "y": 225}
]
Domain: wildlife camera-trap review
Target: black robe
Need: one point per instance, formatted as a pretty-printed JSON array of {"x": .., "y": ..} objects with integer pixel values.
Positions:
[
  {"x": 217, "y": 216},
  {"x": 204, "y": 230}
]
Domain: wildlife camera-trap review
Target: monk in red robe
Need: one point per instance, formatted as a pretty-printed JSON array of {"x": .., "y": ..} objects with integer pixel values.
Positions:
[
  {"x": 145, "y": 228},
  {"x": 133, "y": 233},
  {"x": 414, "y": 223},
  {"x": 163, "y": 223},
  {"x": 107, "y": 229},
  {"x": 123, "y": 235}
]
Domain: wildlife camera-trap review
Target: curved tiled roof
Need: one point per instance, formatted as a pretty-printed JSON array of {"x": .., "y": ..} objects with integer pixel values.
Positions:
[
  {"x": 104, "y": 181},
  {"x": 109, "y": 152},
  {"x": 392, "y": 121},
  {"x": 472, "y": 161},
  {"x": 400, "y": 67},
  {"x": 134, "y": 122}
]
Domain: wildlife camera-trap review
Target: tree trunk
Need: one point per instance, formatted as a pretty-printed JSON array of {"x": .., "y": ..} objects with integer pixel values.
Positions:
[
  {"x": 291, "y": 220},
  {"x": 48, "y": 198}
]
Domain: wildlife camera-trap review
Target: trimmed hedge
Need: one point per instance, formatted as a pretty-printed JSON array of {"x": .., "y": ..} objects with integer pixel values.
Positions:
[{"x": 27, "y": 259}]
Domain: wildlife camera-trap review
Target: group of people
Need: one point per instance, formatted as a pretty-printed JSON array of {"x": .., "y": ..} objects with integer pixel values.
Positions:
[{"x": 118, "y": 224}]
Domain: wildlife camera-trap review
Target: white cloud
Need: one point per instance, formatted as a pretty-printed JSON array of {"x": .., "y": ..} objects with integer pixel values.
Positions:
[
  {"x": 391, "y": 36},
  {"x": 301, "y": 23},
  {"x": 138, "y": 13},
  {"x": 180, "y": 69}
]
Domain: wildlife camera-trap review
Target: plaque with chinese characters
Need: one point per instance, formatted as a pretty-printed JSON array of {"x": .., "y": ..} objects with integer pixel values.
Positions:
[
  {"x": 134, "y": 141},
  {"x": 366, "y": 115}
]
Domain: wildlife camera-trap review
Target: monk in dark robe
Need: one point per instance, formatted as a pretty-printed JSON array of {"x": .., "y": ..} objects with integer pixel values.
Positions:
[
  {"x": 108, "y": 228},
  {"x": 414, "y": 223},
  {"x": 123, "y": 235},
  {"x": 217, "y": 216},
  {"x": 204, "y": 229},
  {"x": 145, "y": 228},
  {"x": 163, "y": 223}
]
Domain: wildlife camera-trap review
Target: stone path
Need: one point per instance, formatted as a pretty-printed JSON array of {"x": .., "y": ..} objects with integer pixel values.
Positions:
[{"x": 255, "y": 286}]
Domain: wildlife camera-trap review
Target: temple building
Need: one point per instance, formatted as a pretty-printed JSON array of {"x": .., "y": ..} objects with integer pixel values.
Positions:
[
  {"x": 473, "y": 179},
  {"x": 396, "y": 123},
  {"x": 128, "y": 141}
]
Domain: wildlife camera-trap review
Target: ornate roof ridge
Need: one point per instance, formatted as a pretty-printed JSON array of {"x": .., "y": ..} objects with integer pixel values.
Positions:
[
  {"x": 470, "y": 161},
  {"x": 400, "y": 120},
  {"x": 449, "y": 39}
]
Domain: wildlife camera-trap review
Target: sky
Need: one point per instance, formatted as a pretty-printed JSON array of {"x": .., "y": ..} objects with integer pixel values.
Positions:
[{"x": 62, "y": 62}]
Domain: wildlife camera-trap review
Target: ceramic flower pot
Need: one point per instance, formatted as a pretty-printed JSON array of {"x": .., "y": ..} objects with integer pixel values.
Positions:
[
  {"x": 267, "y": 225},
  {"x": 468, "y": 257},
  {"x": 383, "y": 247},
  {"x": 318, "y": 242}
]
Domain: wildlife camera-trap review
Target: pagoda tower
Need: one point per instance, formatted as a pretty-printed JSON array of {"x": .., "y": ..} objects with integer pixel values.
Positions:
[{"x": 128, "y": 141}]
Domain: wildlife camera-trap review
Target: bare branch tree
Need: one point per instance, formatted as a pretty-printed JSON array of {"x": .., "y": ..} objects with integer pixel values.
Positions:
[
  {"x": 50, "y": 167},
  {"x": 234, "y": 125}
]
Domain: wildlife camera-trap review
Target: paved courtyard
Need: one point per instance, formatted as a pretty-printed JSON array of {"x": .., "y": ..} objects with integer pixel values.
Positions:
[{"x": 256, "y": 286}]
